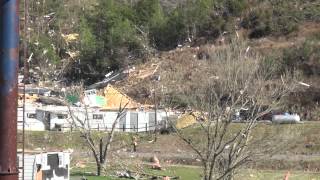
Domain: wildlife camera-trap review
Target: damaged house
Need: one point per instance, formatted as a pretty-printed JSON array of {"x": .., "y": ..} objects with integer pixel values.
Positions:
[{"x": 101, "y": 113}]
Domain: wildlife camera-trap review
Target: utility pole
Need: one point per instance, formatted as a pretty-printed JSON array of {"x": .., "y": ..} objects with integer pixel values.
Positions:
[
  {"x": 25, "y": 78},
  {"x": 9, "y": 60},
  {"x": 155, "y": 114},
  {"x": 156, "y": 79}
]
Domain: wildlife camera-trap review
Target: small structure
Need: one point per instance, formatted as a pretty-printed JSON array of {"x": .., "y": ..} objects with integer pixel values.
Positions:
[
  {"x": 45, "y": 166},
  {"x": 286, "y": 118}
]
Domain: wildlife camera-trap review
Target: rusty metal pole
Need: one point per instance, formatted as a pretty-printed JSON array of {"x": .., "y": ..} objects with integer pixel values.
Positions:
[{"x": 9, "y": 58}]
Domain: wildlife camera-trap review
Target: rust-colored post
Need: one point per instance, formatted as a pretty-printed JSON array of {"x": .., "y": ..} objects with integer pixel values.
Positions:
[{"x": 9, "y": 58}]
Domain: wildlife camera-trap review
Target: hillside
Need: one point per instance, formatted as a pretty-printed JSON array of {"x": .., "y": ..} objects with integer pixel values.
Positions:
[
  {"x": 190, "y": 62},
  {"x": 219, "y": 86},
  {"x": 78, "y": 42}
]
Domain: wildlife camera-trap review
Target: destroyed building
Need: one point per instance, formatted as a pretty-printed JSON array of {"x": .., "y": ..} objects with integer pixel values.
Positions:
[{"x": 101, "y": 110}]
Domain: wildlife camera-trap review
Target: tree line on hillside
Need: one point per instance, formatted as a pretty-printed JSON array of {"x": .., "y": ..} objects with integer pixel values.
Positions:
[{"x": 114, "y": 34}]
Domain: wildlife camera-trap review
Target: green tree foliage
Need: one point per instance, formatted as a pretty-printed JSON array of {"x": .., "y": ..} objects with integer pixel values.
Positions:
[
  {"x": 87, "y": 39},
  {"x": 148, "y": 12},
  {"x": 43, "y": 49},
  {"x": 170, "y": 33},
  {"x": 114, "y": 34}
]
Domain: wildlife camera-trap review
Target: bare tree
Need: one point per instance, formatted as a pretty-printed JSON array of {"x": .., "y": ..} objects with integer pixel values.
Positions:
[
  {"x": 231, "y": 85},
  {"x": 100, "y": 147}
]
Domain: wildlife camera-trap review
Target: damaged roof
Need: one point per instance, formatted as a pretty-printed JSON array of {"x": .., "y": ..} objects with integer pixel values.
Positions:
[{"x": 115, "y": 98}]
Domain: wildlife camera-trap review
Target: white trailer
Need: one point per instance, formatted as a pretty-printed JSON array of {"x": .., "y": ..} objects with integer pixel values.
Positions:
[
  {"x": 58, "y": 118},
  {"x": 31, "y": 120},
  {"x": 286, "y": 118}
]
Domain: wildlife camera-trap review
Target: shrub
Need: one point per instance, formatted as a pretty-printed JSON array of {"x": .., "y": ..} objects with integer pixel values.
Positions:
[
  {"x": 259, "y": 21},
  {"x": 276, "y": 20},
  {"x": 236, "y": 7},
  {"x": 304, "y": 57}
]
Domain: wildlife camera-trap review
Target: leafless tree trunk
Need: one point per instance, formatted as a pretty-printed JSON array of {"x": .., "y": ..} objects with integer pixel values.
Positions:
[
  {"x": 101, "y": 148},
  {"x": 232, "y": 83}
]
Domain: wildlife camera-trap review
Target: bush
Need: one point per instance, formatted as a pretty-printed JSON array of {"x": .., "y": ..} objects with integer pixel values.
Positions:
[
  {"x": 236, "y": 7},
  {"x": 279, "y": 20},
  {"x": 304, "y": 57}
]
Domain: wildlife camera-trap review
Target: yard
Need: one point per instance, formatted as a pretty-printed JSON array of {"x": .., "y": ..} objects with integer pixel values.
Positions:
[
  {"x": 193, "y": 173},
  {"x": 295, "y": 146}
]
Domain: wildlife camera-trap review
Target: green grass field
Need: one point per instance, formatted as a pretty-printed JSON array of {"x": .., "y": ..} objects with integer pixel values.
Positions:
[
  {"x": 288, "y": 140},
  {"x": 193, "y": 173},
  {"x": 294, "y": 135}
]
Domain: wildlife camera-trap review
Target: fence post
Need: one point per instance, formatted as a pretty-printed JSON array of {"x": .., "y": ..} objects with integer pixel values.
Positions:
[
  {"x": 146, "y": 127},
  {"x": 123, "y": 128}
]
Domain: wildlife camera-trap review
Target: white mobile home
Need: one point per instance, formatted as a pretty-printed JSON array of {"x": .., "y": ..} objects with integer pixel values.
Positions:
[
  {"x": 58, "y": 118},
  {"x": 54, "y": 117},
  {"x": 131, "y": 121},
  {"x": 32, "y": 121}
]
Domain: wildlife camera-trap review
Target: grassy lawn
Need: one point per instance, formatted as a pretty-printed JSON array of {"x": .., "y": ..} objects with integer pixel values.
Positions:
[
  {"x": 193, "y": 173},
  {"x": 291, "y": 139},
  {"x": 91, "y": 178},
  {"x": 188, "y": 173},
  {"x": 296, "y": 136},
  {"x": 277, "y": 175}
]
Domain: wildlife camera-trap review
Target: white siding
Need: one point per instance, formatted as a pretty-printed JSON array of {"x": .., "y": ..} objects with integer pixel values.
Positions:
[
  {"x": 31, "y": 124},
  {"x": 108, "y": 117},
  {"x": 29, "y": 167}
]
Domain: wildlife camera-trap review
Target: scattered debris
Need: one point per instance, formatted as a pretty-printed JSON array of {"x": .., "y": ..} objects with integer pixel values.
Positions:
[
  {"x": 80, "y": 164},
  {"x": 304, "y": 84},
  {"x": 134, "y": 143},
  {"x": 286, "y": 177},
  {"x": 70, "y": 37},
  {"x": 124, "y": 174},
  {"x": 115, "y": 98},
  {"x": 50, "y": 101},
  {"x": 156, "y": 163},
  {"x": 110, "y": 77},
  {"x": 73, "y": 54},
  {"x": 247, "y": 51},
  {"x": 188, "y": 119},
  {"x": 141, "y": 175}
]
